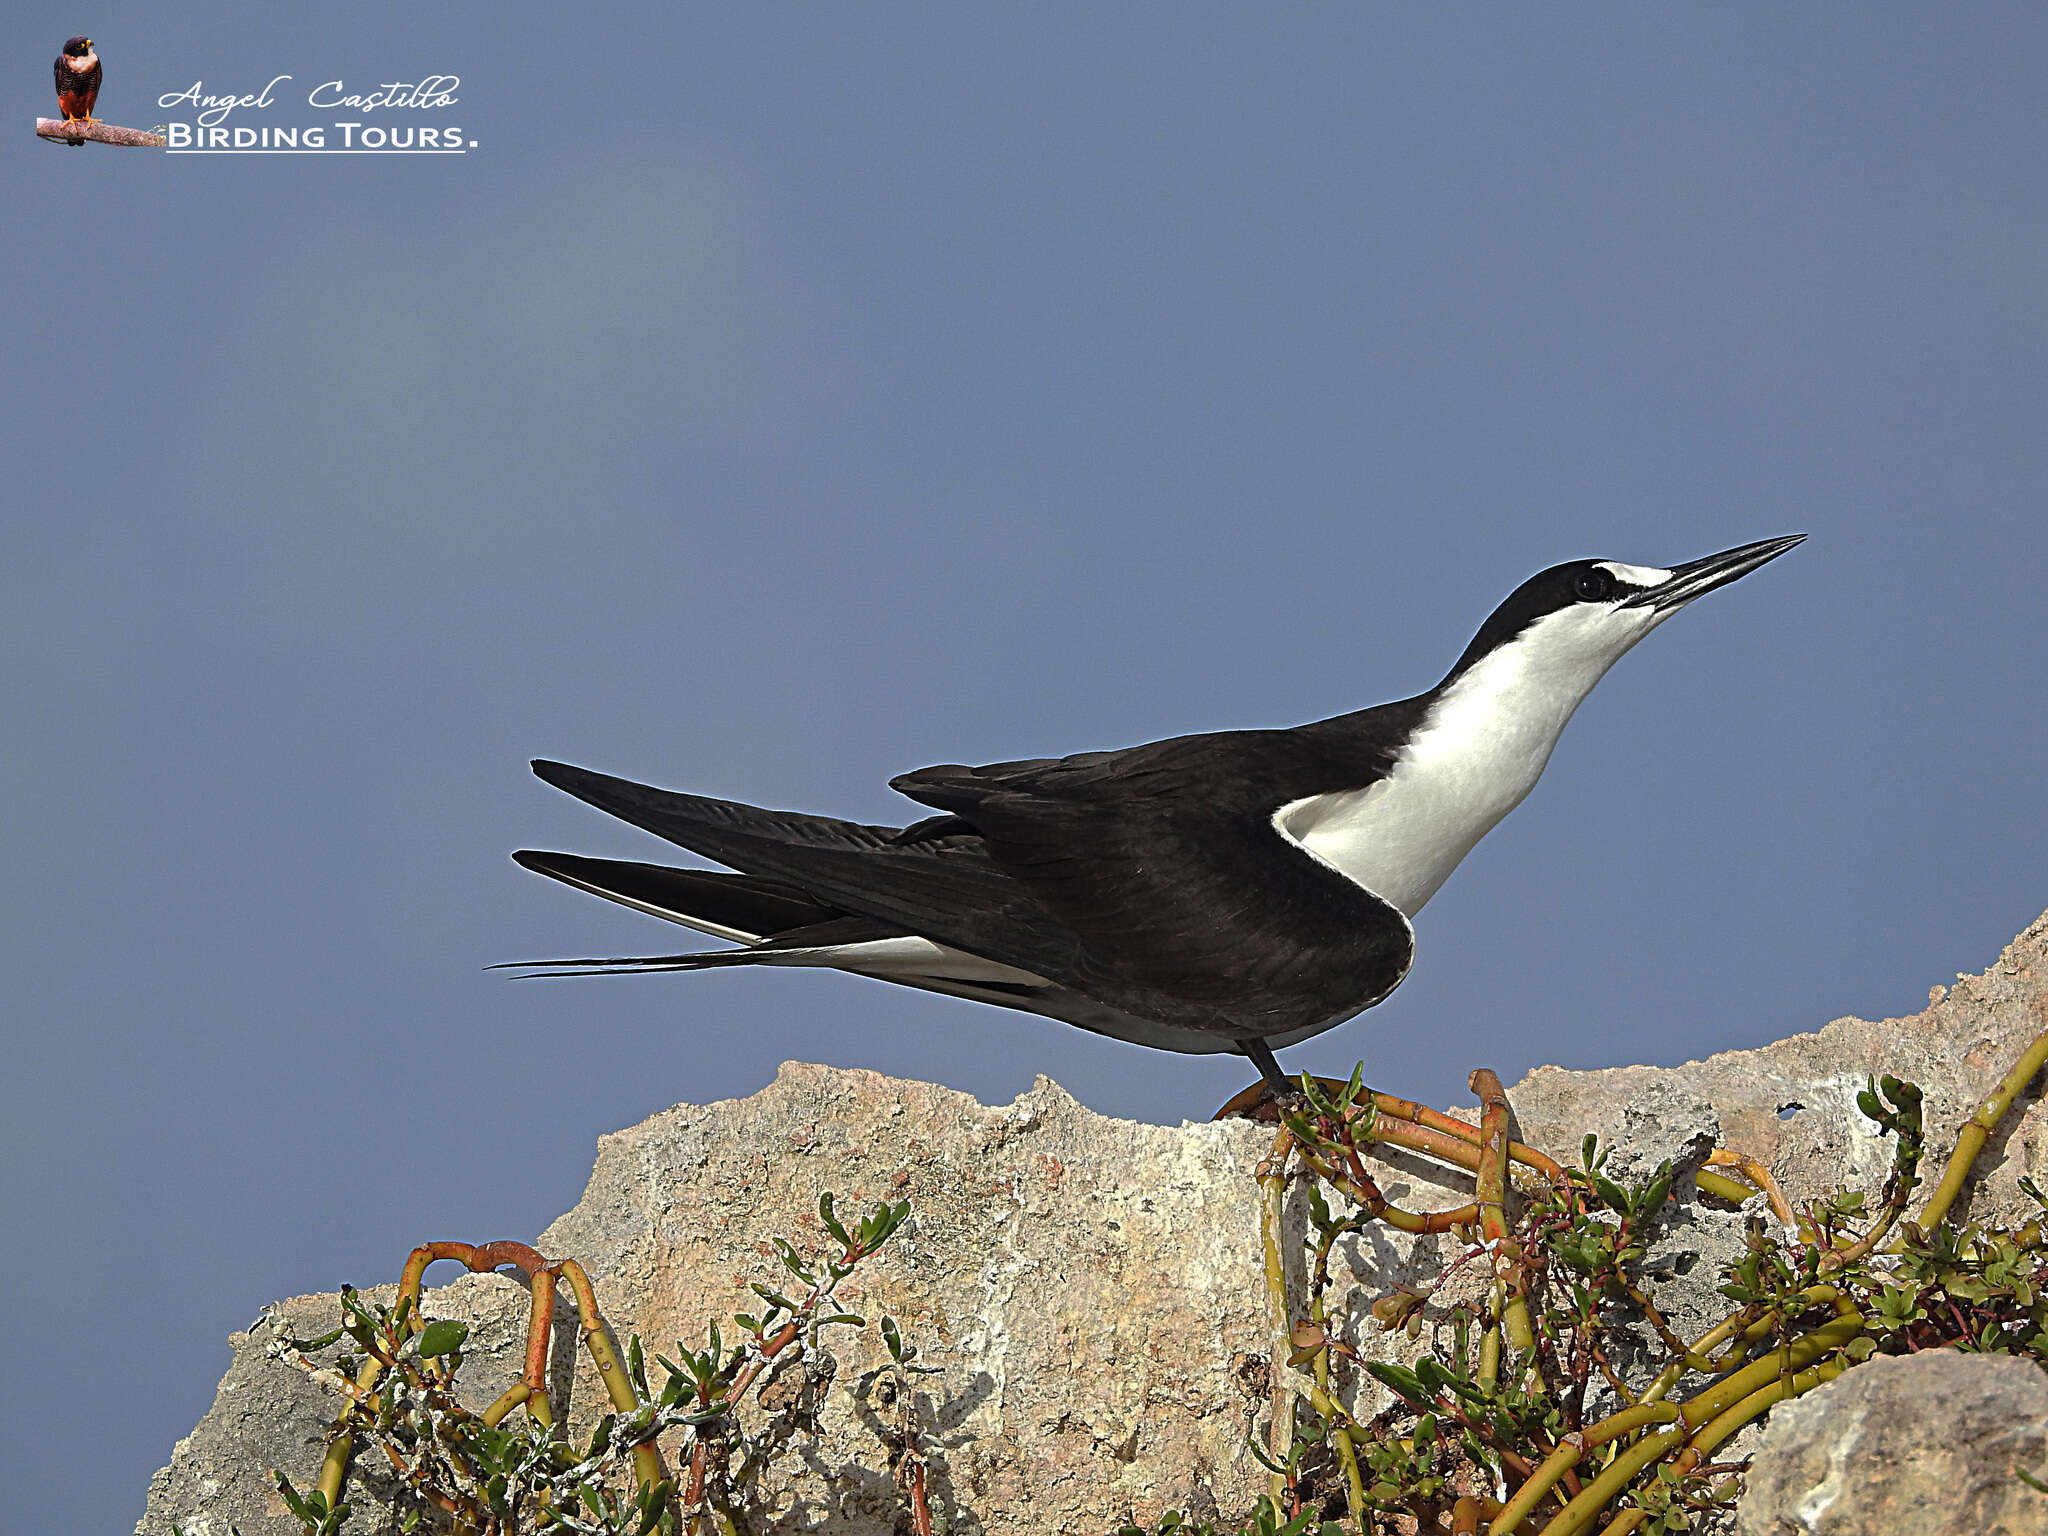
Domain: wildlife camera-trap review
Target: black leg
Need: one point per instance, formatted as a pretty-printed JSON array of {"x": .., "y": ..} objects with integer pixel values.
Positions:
[{"x": 1262, "y": 1057}]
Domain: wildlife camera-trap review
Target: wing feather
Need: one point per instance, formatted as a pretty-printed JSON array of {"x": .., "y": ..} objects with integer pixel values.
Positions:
[
  {"x": 1166, "y": 859},
  {"x": 1151, "y": 879},
  {"x": 954, "y": 895}
]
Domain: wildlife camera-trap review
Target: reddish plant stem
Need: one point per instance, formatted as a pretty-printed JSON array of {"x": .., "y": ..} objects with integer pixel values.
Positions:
[
  {"x": 1357, "y": 1184},
  {"x": 920, "y": 1509}
]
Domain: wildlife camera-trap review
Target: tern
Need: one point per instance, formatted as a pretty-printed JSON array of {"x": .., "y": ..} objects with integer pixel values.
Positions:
[{"x": 1231, "y": 891}]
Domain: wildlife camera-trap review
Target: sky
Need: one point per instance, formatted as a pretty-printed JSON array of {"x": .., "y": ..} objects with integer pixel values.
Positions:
[{"x": 772, "y": 399}]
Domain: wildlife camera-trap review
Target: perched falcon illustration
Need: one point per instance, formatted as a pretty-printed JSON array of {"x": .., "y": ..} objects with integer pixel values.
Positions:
[{"x": 78, "y": 80}]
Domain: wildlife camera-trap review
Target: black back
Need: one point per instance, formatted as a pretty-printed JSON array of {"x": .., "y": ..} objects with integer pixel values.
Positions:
[{"x": 1164, "y": 860}]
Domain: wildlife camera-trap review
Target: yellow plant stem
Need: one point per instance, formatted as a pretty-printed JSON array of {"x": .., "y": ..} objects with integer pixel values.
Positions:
[
  {"x": 1719, "y": 1429},
  {"x": 1488, "y": 1372},
  {"x": 1515, "y": 1320},
  {"x": 1491, "y": 1190},
  {"x": 1416, "y": 1126},
  {"x": 647, "y": 1462},
  {"x": 1758, "y": 1175},
  {"x": 1745, "y": 1324},
  {"x": 540, "y": 1329},
  {"x": 1596, "y": 1495},
  {"x": 1463, "y": 1151},
  {"x": 1441, "y": 1145},
  {"x": 335, "y": 1467},
  {"x": 1721, "y": 1187},
  {"x": 1771, "y": 1322},
  {"x": 1540, "y": 1482},
  {"x": 485, "y": 1258},
  {"x": 1272, "y": 1177},
  {"x": 532, "y": 1390},
  {"x": 1697, "y": 1357},
  {"x": 512, "y": 1398},
  {"x": 610, "y": 1370},
  {"x": 1977, "y": 1130},
  {"x": 1567, "y": 1454},
  {"x": 1697, "y": 1428},
  {"x": 1794, "y": 1357},
  {"x": 1628, "y": 1421},
  {"x": 1490, "y": 1185},
  {"x": 1898, "y": 1190},
  {"x": 1625, "y": 1522},
  {"x": 1717, "y": 1412},
  {"x": 1333, "y": 1414},
  {"x": 1492, "y": 1172}
]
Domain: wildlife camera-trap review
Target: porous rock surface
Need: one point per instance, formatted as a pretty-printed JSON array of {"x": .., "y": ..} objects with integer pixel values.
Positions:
[
  {"x": 1929, "y": 1444},
  {"x": 1088, "y": 1288}
]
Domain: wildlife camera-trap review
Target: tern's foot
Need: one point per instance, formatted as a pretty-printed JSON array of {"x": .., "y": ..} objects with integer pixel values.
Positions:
[{"x": 1263, "y": 1102}]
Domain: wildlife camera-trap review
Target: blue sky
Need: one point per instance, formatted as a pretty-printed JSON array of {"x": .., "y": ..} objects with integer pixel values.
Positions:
[{"x": 798, "y": 396}]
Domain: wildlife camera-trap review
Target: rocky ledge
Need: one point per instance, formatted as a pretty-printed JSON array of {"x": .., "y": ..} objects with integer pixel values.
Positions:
[{"x": 1088, "y": 1289}]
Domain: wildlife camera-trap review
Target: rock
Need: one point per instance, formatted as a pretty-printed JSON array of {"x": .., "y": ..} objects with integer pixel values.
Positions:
[
  {"x": 1791, "y": 1105},
  {"x": 1927, "y": 1444},
  {"x": 1088, "y": 1288},
  {"x": 268, "y": 1415}
]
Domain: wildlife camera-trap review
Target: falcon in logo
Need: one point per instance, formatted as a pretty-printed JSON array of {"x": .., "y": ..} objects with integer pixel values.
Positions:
[{"x": 78, "y": 80}]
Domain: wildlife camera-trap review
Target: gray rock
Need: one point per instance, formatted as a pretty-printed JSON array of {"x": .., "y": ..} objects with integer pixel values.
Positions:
[
  {"x": 1791, "y": 1105},
  {"x": 1916, "y": 1445},
  {"x": 266, "y": 1414},
  {"x": 1088, "y": 1287}
]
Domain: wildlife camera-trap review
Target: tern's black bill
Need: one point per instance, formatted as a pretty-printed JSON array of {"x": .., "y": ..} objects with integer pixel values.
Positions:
[{"x": 1695, "y": 577}]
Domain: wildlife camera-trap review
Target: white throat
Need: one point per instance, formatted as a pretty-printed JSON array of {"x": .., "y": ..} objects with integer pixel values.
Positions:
[{"x": 1478, "y": 752}]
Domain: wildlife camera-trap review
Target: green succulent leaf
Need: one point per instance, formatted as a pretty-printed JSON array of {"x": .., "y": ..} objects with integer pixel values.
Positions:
[
  {"x": 831, "y": 1221},
  {"x": 774, "y": 1298},
  {"x": 1399, "y": 1380},
  {"x": 314, "y": 1346},
  {"x": 443, "y": 1336}
]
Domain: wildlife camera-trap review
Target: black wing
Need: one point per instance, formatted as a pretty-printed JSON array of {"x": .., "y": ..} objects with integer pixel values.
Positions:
[
  {"x": 1151, "y": 879},
  {"x": 737, "y": 903},
  {"x": 946, "y": 890},
  {"x": 1165, "y": 860}
]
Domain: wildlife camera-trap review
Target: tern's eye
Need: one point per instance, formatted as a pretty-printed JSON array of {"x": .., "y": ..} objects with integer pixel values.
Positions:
[{"x": 1594, "y": 586}]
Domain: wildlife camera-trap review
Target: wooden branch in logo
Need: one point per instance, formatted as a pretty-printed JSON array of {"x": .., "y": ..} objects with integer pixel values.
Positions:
[{"x": 77, "y": 131}]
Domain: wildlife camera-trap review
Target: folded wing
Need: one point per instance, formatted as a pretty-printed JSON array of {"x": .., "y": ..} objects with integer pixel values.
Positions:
[
  {"x": 1166, "y": 860},
  {"x": 1151, "y": 880}
]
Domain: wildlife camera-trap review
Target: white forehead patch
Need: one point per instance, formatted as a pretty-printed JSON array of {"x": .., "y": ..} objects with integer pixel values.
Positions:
[{"x": 1634, "y": 575}]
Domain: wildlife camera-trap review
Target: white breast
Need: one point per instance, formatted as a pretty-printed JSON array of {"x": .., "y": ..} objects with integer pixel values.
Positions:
[{"x": 1478, "y": 752}]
